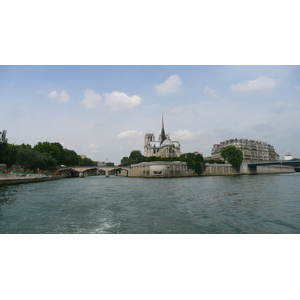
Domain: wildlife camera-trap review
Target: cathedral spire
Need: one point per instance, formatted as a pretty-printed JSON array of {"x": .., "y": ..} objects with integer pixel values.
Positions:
[{"x": 163, "y": 135}]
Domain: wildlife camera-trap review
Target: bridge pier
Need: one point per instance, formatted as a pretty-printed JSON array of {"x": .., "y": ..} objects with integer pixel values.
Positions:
[
  {"x": 81, "y": 174},
  {"x": 106, "y": 173}
]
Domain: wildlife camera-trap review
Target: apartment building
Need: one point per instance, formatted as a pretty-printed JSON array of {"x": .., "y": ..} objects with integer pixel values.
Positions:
[{"x": 253, "y": 151}]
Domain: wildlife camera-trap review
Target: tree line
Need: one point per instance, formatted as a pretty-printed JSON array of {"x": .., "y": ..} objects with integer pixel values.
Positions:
[{"x": 43, "y": 155}]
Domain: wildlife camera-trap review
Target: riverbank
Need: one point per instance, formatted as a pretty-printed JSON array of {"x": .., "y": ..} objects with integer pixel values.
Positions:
[
  {"x": 163, "y": 169},
  {"x": 10, "y": 179}
]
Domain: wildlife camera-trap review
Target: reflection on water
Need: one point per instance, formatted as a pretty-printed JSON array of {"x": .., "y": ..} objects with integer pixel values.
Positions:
[{"x": 222, "y": 204}]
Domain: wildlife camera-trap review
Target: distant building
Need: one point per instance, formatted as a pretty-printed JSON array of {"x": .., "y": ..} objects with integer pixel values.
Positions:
[
  {"x": 163, "y": 147},
  {"x": 252, "y": 150},
  {"x": 82, "y": 156},
  {"x": 288, "y": 155}
]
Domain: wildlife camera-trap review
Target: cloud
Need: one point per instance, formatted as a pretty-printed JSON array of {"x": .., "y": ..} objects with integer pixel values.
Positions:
[
  {"x": 119, "y": 100},
  {"x": 211, "y": 93},
  {"x": 171, "y": 85},
  {"x": 92, "y": 147},
  {"x": 90, "y": 99},
  {"x": 129, "y": 136},
  {"x": 185, "y": 135},
  {"x": 61, "y": 97},
  {"x": 262, "y": 83}
]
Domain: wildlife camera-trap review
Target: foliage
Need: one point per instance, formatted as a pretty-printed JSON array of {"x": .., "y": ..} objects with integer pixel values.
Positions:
[
  {"x": 110, "y": 164},
  {"x": 86, "y": 161},
  {"x": 136, "y": 157},
  {"x": 214, "y": 161},
  {"x": 233, "y": 155},
  {"x": 69, "y": 158},
  {"x": 32, "y": 159},
  {"x": 125, "y": 161},
  {"x": 51, "y": 148},
  {"x": 43, "y": 155},
  {"x": 193, "y": 156},
  {"x": 3, "y": 145},
  {"x": 10, "y": 155}
]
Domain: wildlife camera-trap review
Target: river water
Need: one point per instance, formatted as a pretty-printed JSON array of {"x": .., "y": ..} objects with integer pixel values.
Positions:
[{"x": 254, "y": 204}]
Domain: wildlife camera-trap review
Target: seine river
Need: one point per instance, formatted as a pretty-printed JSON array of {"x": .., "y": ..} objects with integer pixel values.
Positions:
[{"x": 254, "y": 204}]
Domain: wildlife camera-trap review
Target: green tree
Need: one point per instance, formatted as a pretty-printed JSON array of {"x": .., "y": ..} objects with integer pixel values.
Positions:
[
  {"x": 32, "y": 159},
  {"x": 136, "y": 157},
  {"x": 46, "y": 147},
  {"x": 87, "y": 162},
  {"x": 233, "y": 155},
  {"x": 125, "y": 161},
  {"x": 70, "y": 158},
  {"x": 10, "y": 155},
  {"x": 3, "y": 145},
  {"x": 60, "y": 160}
]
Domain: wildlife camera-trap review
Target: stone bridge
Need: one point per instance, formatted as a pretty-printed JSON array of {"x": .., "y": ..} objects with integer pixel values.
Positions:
[{"x": 82, "y": 170}]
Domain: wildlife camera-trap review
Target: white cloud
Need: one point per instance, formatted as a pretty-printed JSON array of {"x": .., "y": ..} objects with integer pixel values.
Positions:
[
  {"x": 52, "y": 94},
  {"x": 61, "y": 97},
  {"x": 119, "y": 100},
  {"x": 92, "y": 147},
  {"x": 262, "y": 83},
  {"x": 129, "y": 135},
  {"x": 90, "y": 99},
  {"x": 211, "y": 93},
  {"x": 171, "y": 85},
  {"x": 185, "y": 135}
]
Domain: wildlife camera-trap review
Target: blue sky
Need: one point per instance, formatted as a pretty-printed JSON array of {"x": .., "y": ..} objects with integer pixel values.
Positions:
[{"x": 105, "y": 111}]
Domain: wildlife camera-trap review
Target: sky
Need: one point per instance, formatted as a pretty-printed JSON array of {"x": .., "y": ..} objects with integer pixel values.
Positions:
[{"x": 104, "y": 111}]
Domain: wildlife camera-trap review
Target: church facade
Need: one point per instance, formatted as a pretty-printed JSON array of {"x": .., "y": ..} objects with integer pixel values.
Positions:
[{"x": 163, "y": 147}]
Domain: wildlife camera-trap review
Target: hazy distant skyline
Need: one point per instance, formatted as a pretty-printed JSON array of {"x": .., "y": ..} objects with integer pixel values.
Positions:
[{"x": 104, "y": 112}]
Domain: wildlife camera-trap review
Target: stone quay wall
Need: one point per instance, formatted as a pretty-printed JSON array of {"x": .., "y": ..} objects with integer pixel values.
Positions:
[
  {"x": 158, "y": 169},
  {"x": 162, "y": 169},
  {"x": 275, "y": 169}
]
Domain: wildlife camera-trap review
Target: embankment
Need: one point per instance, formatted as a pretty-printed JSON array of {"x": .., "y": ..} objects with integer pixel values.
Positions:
[{"x": 9, "y": 179}]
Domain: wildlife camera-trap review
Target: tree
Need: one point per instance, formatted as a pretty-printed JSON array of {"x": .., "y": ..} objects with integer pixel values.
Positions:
[
  {"x": 10, "y": 155},
  {"x": 51, "y": 148},
  {"x": 87, "y": 162},
  {"x": 233, "y": 155},
  {"x": 61, "y": 159},
  {"x": 3, "y": 145},
  {"x": 193, "y": 156},
  {"x": 32, "y": 159},
  {"x": 125, "y": 161},
  {"x": 136, "y": 157},
  {"x": 70, "y": 158}
]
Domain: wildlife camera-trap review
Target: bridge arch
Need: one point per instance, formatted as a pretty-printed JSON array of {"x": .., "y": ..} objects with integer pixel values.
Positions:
[{"x": 81, "y": 170}]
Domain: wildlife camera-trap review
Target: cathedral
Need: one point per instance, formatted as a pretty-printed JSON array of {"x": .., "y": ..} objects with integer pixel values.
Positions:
[{"x": 164, "y": 147}]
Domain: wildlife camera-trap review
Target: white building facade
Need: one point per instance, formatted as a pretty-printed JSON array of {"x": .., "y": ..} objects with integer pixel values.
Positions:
[{"x": 253, "y": 151}]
